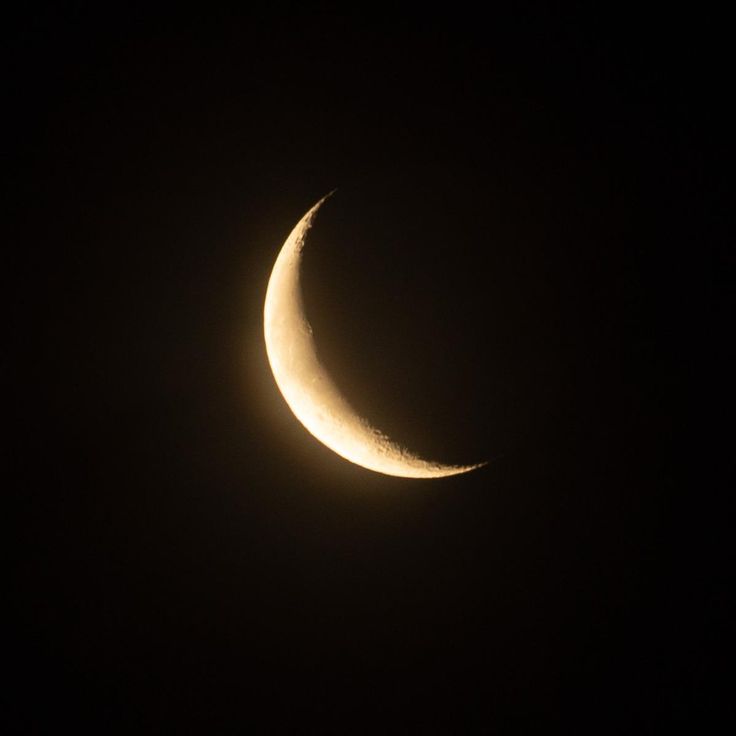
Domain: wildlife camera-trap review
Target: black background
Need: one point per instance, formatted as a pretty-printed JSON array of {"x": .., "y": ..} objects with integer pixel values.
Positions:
[{"x": 525, "y": 261}]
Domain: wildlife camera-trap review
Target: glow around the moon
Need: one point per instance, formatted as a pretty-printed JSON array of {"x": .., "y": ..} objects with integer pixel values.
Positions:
[{"x": 308, "y": 389}]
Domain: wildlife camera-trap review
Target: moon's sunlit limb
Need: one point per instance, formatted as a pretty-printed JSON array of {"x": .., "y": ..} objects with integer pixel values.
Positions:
[{"x": 307, "y": 387}]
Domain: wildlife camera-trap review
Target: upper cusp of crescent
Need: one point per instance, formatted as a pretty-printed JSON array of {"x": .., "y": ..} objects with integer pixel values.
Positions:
[{"x": 298, "y": 236}]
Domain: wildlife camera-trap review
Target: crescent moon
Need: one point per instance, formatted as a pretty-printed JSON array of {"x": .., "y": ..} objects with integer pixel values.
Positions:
[{"x": 307, "y": 387}]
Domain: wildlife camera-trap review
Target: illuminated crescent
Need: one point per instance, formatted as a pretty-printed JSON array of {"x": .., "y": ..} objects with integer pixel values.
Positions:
[{"x": 307, "y": 387}]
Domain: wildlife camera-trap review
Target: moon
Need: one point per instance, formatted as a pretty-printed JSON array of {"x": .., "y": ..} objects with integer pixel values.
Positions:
[{"x": 307, "y": 387}]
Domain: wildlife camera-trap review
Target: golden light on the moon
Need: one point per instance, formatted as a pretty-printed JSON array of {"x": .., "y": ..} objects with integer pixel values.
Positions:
[{"x": 307, "y": 387}]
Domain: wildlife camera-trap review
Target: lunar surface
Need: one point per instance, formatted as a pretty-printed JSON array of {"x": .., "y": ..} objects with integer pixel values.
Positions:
[{"x": 307, "y": 387}]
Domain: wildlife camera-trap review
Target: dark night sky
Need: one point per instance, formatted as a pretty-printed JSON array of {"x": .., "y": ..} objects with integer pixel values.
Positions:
[{"x": 524, "y": 261}]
